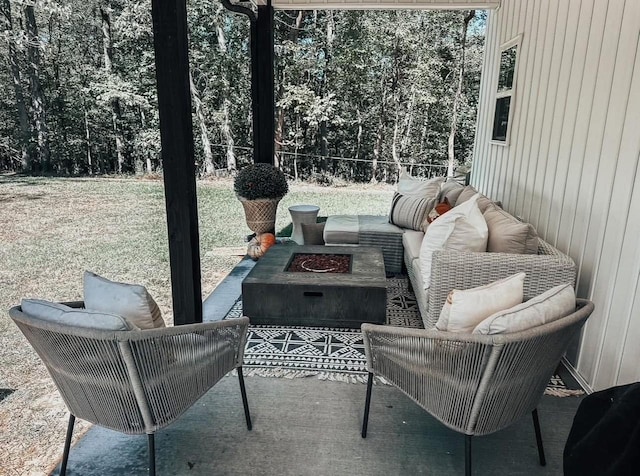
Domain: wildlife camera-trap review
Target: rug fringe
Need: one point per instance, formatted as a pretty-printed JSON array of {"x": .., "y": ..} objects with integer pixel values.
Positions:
[
  {"x": 562, "y": 392},
  {"x": 291, "y": 374}
]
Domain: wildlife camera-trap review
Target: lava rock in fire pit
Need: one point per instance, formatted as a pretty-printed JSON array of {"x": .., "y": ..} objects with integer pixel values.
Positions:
[{"x": 320, "y": 263}]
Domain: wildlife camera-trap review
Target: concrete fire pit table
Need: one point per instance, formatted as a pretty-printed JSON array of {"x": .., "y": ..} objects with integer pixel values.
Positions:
[{"x": 272, "y": 295}]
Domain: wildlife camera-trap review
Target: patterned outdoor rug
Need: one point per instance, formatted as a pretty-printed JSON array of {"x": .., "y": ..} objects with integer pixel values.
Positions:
[{"x": 333, "y": 353}]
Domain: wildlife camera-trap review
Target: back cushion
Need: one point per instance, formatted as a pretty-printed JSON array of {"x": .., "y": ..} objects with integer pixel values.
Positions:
[
  {"x": 509, "y": 235},
  {"x": 130, "y": 301},
  {"x": 450, "y": 190},
  {"x": 56, "y": 313},
  {"x": 426, "y": 188},
  {"x": 468, "y": 192}
]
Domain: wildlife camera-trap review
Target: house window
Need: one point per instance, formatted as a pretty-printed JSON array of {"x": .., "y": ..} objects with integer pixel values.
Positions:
[{"x": 507, "y": 73}]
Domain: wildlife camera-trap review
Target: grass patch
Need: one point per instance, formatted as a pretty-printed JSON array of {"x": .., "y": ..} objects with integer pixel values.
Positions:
[{"x": 52, "y": 229}]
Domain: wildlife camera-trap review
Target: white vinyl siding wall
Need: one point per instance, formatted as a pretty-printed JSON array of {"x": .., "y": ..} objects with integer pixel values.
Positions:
[{"x": 572, "y": 163}]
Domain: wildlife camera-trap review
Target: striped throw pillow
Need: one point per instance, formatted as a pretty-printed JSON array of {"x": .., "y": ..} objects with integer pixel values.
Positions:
[{"x": 409, "y": 212}]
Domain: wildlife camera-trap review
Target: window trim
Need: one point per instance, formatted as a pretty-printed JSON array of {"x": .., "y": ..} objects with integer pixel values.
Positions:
[{"x": 517, "y": 41}]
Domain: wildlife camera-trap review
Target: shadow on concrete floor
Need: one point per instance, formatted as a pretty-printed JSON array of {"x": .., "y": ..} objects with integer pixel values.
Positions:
[{"x": 307, "y": 426}]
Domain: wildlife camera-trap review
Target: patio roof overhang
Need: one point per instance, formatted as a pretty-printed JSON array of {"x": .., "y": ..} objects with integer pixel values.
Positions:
[
  {"x": 176, "y": 130},
  {"x": 382, "y": 4}
]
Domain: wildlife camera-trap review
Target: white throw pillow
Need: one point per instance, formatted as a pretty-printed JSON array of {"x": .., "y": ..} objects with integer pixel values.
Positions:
[
  {"x": 408, "y": 185},
  {"x": 549, "y": 306},
  {"x": 462, "y": 228},
  {"x": 57, "y": 313},
  {"x": 465, "y": 309},
  {"x": 130, "y": 301}
]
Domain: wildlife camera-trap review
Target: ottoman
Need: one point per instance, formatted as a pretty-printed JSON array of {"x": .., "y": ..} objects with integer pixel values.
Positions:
[{"x": 367, "y": 230}]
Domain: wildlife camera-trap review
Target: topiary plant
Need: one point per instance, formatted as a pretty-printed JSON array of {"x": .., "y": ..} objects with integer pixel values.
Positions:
[{"x": 259, "y": 180}]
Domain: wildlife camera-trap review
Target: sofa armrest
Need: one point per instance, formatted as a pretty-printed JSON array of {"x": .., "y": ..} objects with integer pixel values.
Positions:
[{"x": 463, "y": 270}]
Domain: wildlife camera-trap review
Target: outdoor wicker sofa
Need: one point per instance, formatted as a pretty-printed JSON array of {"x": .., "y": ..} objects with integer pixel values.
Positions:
[
  {"x": 465, "y": 270},
  {"x": 450, "y": 269}
]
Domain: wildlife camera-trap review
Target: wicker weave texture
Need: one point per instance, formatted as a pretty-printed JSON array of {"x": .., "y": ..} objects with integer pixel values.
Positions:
[
  {"x": 260, "y": 214},
  {"x": 391, "y": 244},
  {"x": 474, "y": 384},
  {"x": 418, "y": 289},
  {"x": 465, "y": 270},
  {"x": 135, "y": 381}
]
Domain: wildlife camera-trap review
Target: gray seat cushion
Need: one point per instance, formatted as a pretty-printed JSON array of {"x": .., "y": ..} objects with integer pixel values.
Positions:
[
  {"x": 57, "y": 313},
  {"x": 341, "y": 229},
  {"x": 411, "y": 241},
  {"x": 346, "y": 229}
]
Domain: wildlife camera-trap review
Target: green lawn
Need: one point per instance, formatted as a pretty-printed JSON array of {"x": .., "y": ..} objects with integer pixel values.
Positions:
[{"x": 52, "y": 229}]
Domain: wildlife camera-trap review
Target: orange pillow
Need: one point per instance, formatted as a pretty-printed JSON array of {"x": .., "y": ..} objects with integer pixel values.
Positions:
[{"x": 440, "y": 209}]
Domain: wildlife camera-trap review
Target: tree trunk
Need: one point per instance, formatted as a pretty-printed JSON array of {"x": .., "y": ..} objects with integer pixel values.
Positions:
[
  {"x": 297, "y": 148},
  {"x": 225, "y": 123},
  {"x": 228, "y": 137},
  {"x": 222, "y": 42},
  {"x": 395, "y": 91},
  {"x": 279, "y": 139},
  {"x": 87, "y": 136},
  {"x": 208, "y": 166},
  {"x": 38, "y": 110},
  {"x": 143, "y": 122},
  {"x": 328, "y": 54},
  {"x": 14, "y": 67},
  {"x": 456, "y": 98},
  {"x": 377, "y": 150},
  {"x": 359, "y": 136},
  {"x": 423, "y": 149},
  {"x": 405, "y": 143},
  {"x": 394, "y": 143},
  {"x": 116, "y": 112}
]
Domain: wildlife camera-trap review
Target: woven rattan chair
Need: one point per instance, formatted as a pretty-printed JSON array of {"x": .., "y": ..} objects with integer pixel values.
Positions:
[
  {"x": 135, "y": 382},
  {"x": 474, "y": 384}
]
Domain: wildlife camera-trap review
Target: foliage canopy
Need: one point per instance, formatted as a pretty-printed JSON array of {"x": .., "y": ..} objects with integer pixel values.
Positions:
[{"x": 357, "y": 92}]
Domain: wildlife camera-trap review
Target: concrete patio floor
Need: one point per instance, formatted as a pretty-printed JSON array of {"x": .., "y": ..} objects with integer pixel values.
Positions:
[{"x": 307, "y": 426}]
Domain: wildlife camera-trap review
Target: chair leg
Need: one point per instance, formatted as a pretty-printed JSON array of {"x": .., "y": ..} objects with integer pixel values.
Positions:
[
  {"x": 536, "y": 426},
  {"x": 152, "y": 455},
  {"x": 467, "y": 455},
  {"x": 67, "y": 445},
  {"x": 245, "y": 403},
  {"x": 367, "y": 404}
]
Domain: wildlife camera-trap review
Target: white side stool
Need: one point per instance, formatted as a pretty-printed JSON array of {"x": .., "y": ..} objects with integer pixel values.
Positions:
[{"x": 302, "y": 214}]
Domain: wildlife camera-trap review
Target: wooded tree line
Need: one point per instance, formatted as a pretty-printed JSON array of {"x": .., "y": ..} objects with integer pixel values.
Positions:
[{"x": 379, "y": 88}]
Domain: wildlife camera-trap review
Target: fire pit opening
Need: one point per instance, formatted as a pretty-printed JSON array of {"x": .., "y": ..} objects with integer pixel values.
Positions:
[{"x": 320, "y": 263}]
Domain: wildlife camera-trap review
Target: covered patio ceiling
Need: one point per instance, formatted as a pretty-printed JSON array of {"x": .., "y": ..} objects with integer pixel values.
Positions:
[{"x": 381, "y": 4}]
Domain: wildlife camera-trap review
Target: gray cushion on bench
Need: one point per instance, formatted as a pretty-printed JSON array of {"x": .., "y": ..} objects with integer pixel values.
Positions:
[
  {"x": 412, "y": 241},
  {"x": 367, "y": 230},
  {"x": 346, "y": 229},
  {"x": 342, "y": 229}
]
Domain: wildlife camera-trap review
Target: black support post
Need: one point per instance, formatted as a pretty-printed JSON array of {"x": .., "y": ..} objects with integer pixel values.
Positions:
[
  {"x": 262, "y": 85},
  {"x": 176, "y": 131}
]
